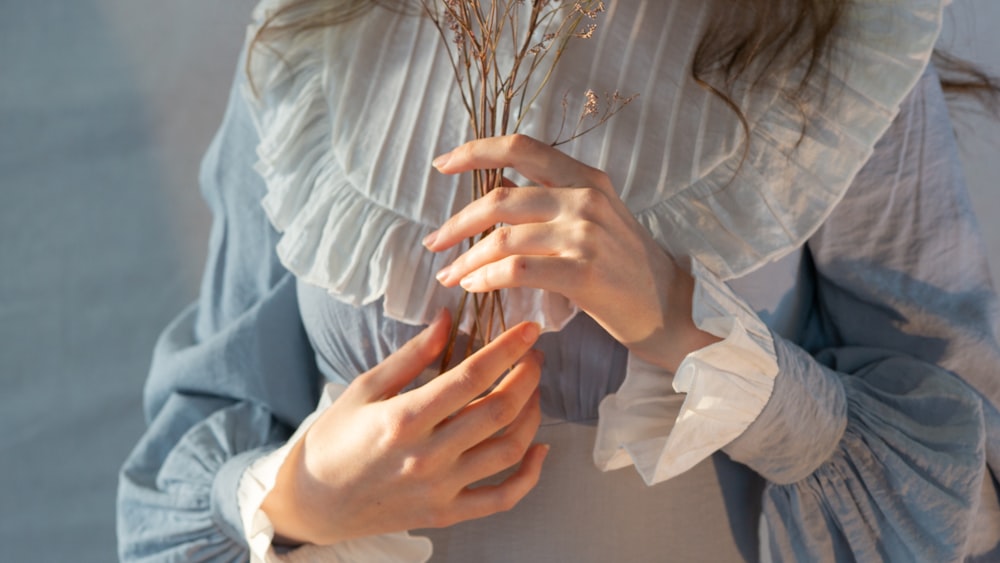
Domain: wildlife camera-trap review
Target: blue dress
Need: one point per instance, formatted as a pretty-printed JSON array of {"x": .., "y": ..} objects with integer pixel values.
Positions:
[{"x": 891, "y": 369}]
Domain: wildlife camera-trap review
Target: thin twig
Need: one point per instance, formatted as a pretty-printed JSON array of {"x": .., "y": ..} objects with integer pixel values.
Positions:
[{"x": 496, "y": 93}]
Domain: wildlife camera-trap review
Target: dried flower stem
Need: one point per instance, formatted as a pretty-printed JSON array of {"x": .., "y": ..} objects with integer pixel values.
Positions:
[{"x": 497, "y": 92}]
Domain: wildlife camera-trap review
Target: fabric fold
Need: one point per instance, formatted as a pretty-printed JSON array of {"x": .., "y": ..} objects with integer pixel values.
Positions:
[
  {"x": 335, "y": 235},
  {"x": 353, "y": 226},
  {"x": 746, "y": 212},
  {"x": 195, "y": 484},
  {"x": 910, "y": 465}
]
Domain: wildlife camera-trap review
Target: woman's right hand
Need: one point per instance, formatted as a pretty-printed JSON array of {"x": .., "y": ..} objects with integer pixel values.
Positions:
[{"x": 378, "y": 461}]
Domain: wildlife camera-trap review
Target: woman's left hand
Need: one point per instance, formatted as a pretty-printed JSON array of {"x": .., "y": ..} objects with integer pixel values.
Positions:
[{"x": 570, "y": 234}]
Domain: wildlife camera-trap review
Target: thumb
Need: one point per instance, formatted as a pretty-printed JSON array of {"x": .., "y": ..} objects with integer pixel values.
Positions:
[{"x": 404, "y": 365}]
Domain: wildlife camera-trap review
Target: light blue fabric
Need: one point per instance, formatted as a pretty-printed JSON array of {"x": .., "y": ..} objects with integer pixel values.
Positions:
[
  {"x": 231, "y": 378},
  {"x": 873, "y": 448}
]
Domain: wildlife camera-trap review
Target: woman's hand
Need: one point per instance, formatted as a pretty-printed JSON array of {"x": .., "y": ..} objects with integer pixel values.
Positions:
[
  {"x": 377, "y": 461},
  {"x": 572, "y": 235}
]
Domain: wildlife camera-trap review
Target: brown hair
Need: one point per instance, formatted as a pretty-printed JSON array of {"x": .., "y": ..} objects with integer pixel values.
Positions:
[{"x": 748, "y": 41}]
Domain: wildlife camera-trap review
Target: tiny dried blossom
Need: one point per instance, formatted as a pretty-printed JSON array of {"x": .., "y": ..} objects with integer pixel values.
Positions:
[
  {"x": 542, "y": 45},
  {"x": 592, "y": 14},
  {"x": 497, "y": 91},
  {"x": 458, "y": 37},
  {"x": 586, "y": 33},
  {"x": 590, "y": 107},
  {"x": 591, "y": 113}
]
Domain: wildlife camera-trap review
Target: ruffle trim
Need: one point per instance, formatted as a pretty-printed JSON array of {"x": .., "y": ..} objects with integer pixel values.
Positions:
[
  {"x": 725, "y": 387},
  {"x": 312, "y": 202},
  {"x": 258, "y": 480},
  {"x": 746, "y": 213},
  {"x": 739, "y": 216}
]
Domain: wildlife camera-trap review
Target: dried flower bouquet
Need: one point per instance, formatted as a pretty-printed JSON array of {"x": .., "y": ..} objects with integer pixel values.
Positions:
[{"x": 503, "y": 53}]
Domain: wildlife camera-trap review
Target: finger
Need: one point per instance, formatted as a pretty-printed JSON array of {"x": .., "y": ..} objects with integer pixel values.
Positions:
[
  {"x": 535, "y": 160},
  {"x": 490, "y": 499},
  {"x": 505, "y": 450},
  {"x": 502, "y": 205},
  {"x": 457, "y": 387},
  {"x": 537, "y": 239},
  {"x": 563, "y": 275},
  {"x": 402, "y": 366},
  {"x": 485, "y": 416}
]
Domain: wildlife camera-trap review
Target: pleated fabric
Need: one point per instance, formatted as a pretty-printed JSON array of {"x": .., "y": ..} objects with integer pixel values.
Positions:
[{"x": 351, "y": 117}]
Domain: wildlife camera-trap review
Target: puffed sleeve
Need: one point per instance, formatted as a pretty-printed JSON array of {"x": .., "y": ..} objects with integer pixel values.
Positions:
[
  {"x": 876, "y": 428},
  {"x": 231, "y": 377},
  {"x": 899, "y": 369}
]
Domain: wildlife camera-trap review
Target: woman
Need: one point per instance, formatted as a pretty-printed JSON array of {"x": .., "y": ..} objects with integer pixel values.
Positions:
[{"x": 797, "y": 287}]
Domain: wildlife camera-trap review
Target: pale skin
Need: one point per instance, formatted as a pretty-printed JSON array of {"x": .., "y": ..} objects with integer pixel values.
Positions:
[{"x": 378, "y": 461}]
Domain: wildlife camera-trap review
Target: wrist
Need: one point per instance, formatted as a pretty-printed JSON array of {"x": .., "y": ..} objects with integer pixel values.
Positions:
[
  {"x": 283, "y": 505},
  {"x": 680, "y": 336}
]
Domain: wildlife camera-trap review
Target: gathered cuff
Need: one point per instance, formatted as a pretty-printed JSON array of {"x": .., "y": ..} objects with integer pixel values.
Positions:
[
  {"x": 727, "y": 384},
  {"x": 905, "y": 479},
  {"x": 258, "y": 481}
]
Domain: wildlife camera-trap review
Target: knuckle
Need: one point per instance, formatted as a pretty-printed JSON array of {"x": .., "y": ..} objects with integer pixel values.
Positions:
[
  {"x": 591, "y": 199},
  {"x": 390, "y": 432},
  {"x": 501, "y": 238},
  {"x": 499, "y": 195},
  {"x": 506, "y": 499},
  {"x": 587, "y": 233},
  {"x": 464, "y": 152},
  {"x": 405, "y": 418},
  {"x": 509, "y": 452},
  {"x": 394, "y": 427},
  {"x": 502, "y": 410},
  {"x": 517, "y": 268},
  {"x": 363, "y": 384},
  {"x": 600, "y": 178},
  {"x": 519, "y": 142},
  {"x": 416, "y": 466},
  {"x": 467, "y": 378}
]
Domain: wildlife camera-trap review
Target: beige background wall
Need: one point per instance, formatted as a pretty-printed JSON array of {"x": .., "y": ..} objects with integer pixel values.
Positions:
[{"x": 105, "y": 109}]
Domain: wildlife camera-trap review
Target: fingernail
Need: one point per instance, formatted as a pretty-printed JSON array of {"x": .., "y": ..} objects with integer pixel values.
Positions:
[
  {"x": 530, "y": 332},
  {"x": 472, "y": 281},
  {"x": 429, "y": 239},
  {"x": 441, "y": 160},
  {"x": 545, "y": 450},
  {"x": 443, "y": 274}
]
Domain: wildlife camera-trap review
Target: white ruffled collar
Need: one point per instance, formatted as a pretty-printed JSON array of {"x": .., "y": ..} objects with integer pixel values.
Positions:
[{"x": 349, "y": 119}]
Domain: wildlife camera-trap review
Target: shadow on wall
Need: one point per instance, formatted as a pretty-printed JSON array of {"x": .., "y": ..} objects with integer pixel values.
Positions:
[{"x": 100, "y": 215}]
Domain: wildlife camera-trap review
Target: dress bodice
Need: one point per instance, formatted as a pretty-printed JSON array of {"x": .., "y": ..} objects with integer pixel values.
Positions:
[{"x": 583, "y": 363}]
